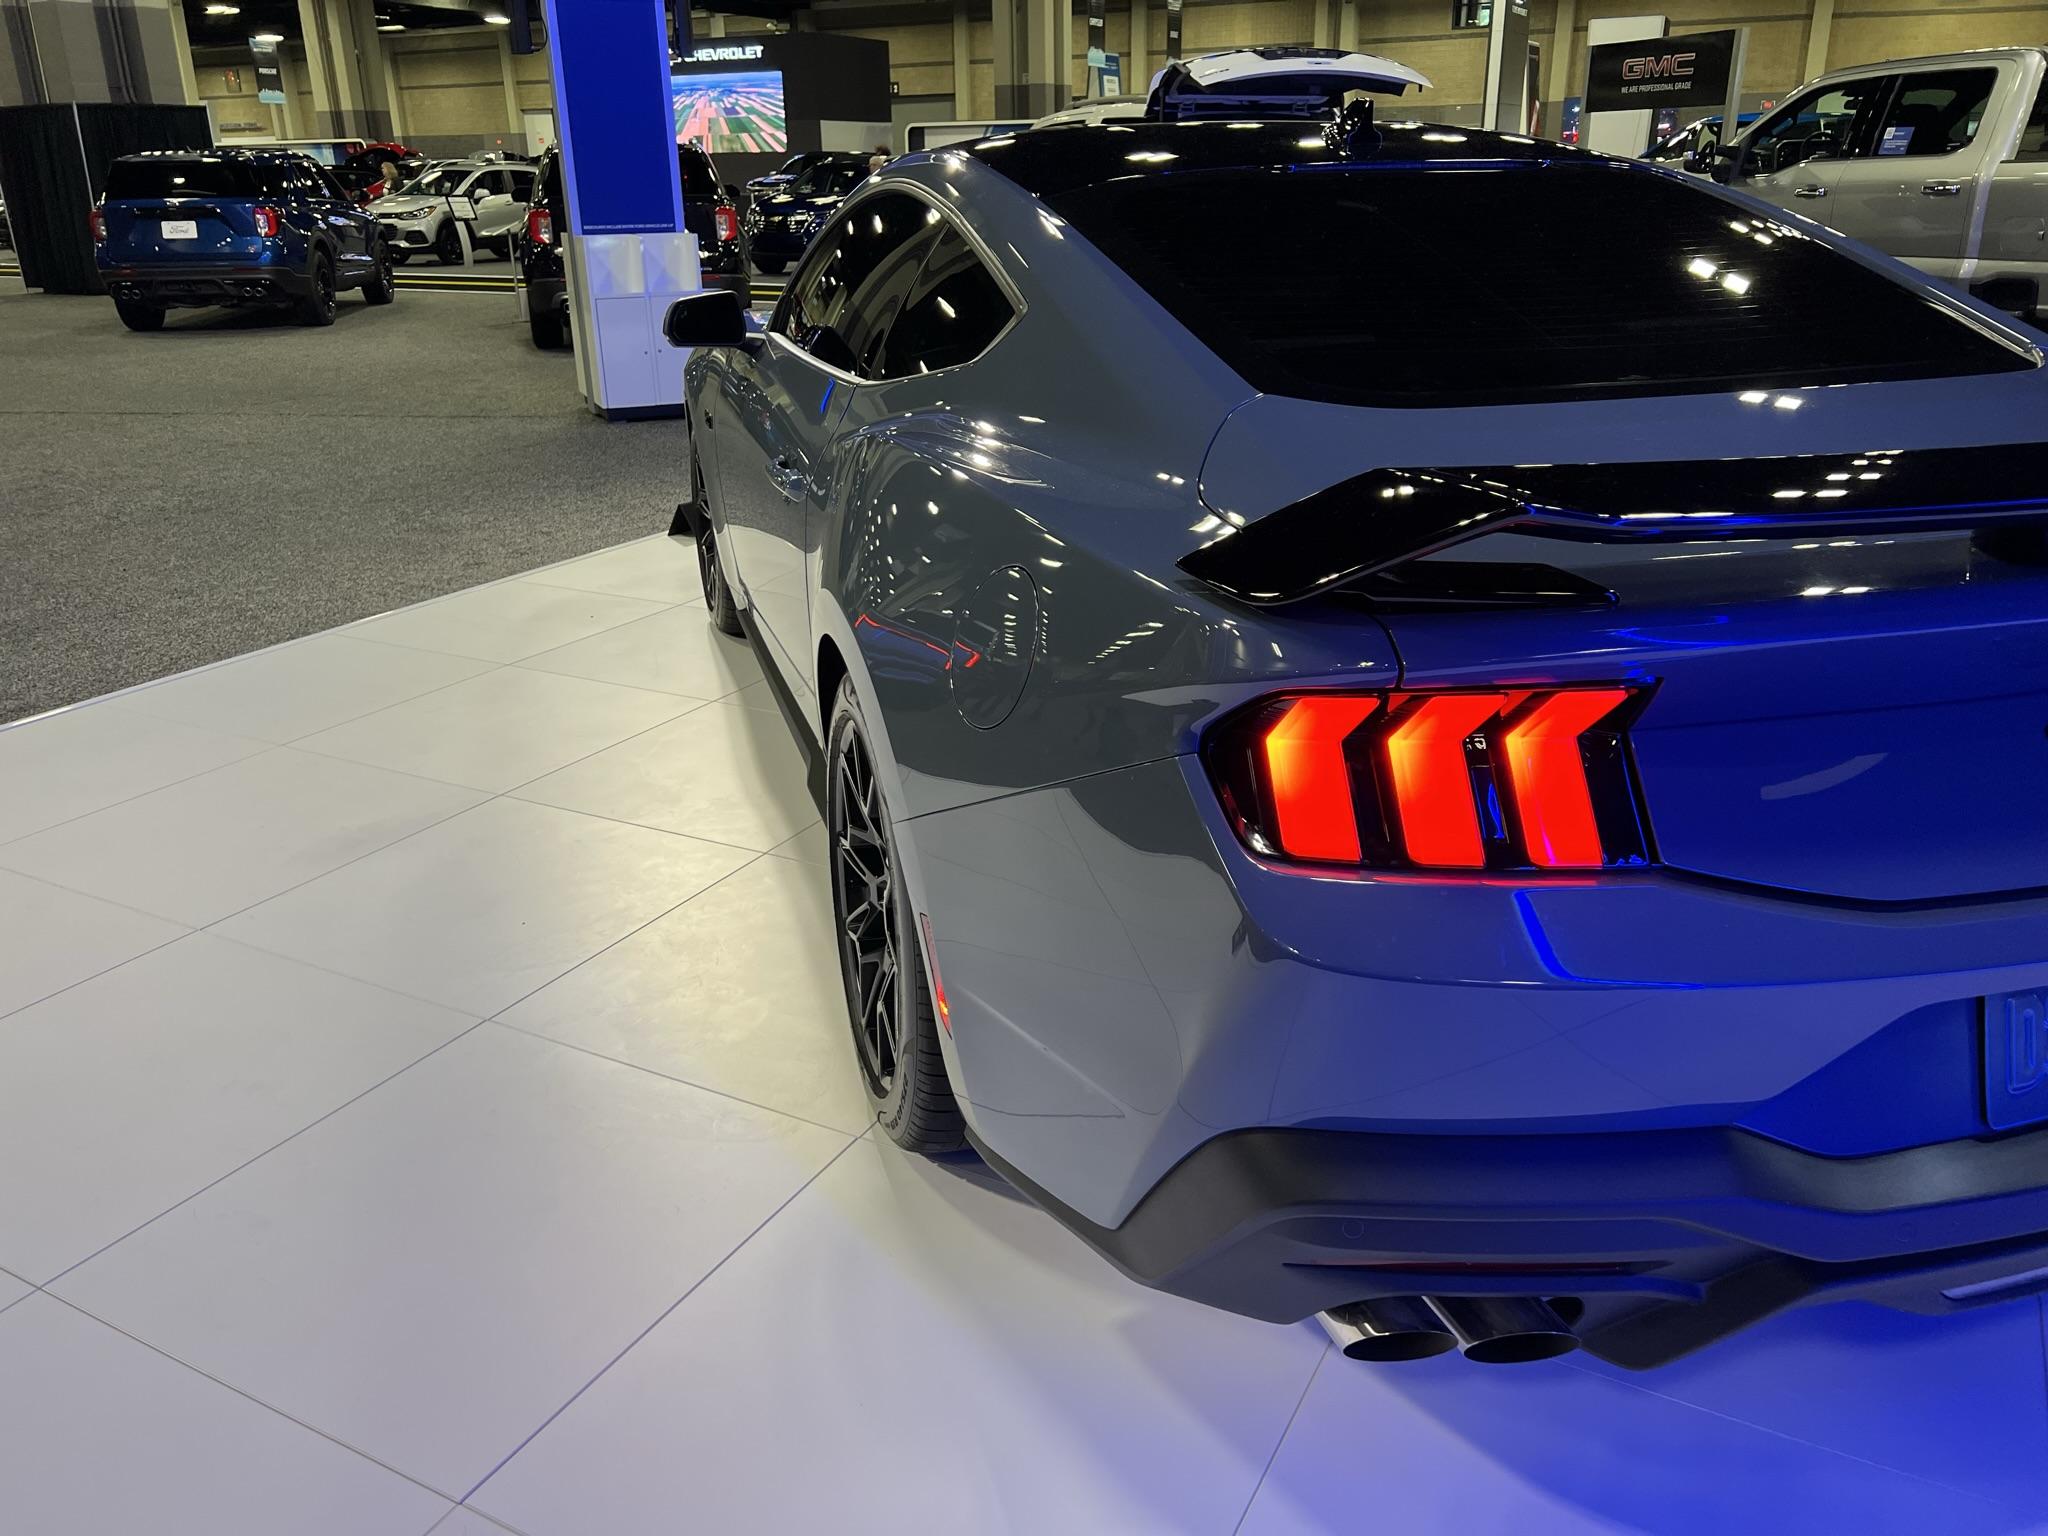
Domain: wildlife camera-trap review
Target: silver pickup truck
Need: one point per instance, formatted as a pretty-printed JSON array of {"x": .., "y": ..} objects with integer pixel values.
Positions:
[{"x": 1942, "y": 162}]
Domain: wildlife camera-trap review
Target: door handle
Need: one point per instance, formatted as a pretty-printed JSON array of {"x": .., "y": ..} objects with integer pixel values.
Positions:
[
  {"x": 1941, "y": 189},
  {"x": 1810, "y": 191},
  {"x": 788, "y": 478}
]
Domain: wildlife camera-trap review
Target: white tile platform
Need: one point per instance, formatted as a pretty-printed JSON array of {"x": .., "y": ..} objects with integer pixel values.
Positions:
[{"x": 425, "y": 1106}]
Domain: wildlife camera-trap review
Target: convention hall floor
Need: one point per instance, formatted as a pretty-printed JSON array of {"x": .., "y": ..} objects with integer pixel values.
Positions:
[{"x": 425, "y": 1104}]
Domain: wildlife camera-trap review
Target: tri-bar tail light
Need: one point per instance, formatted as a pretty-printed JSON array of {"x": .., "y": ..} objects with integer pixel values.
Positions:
[{"x": 1454, "y": 780}]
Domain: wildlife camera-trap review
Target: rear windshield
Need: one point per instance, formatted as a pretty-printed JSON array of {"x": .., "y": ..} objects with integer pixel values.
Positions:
[
  {"x": 1457, "y": 286},
  {"x": 200, "y": 176}
]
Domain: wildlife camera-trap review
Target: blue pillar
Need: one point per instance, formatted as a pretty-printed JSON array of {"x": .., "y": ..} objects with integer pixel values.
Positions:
[{"x": 628, "y": 255}]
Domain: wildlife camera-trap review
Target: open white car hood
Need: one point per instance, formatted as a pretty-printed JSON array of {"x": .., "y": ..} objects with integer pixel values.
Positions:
[{"x": 1355, "y": 71}]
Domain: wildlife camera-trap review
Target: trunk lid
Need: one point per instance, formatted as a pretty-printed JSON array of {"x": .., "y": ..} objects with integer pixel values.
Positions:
[
  {"x": 151, "y": 232},
  {"x": 1854, "y": 712}
]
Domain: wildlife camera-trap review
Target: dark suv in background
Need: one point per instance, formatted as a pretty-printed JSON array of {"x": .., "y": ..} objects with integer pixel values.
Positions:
[
  {"x": 781, "y": 222},
  {"x": 710, "y": 212},
  {"x": 183, "y": 227}
]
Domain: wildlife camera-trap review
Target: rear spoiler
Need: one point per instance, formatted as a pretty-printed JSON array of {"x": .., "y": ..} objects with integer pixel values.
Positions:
[{"x": 1357, "y": 533}]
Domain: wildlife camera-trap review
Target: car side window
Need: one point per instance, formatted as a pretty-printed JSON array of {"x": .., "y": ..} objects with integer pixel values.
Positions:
[
  {"x": 853, "y": 282},
  {"x": 951, "y": 316},
  {"x": 2034, "y": 137},
  {"x": 1817, "y": 125},
  {"x": 522, "y": 185},
  {"x": 1935, "y": 112}
]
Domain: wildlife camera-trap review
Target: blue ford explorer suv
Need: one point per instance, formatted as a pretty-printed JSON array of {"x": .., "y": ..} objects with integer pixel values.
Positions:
[{"x": 233, "y": 226}]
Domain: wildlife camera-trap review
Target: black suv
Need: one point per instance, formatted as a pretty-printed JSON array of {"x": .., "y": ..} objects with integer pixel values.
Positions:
[{"x": 710, "y": 212}]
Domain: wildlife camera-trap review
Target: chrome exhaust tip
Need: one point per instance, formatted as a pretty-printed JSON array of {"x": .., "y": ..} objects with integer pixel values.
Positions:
[
  {"x": 1387, "y": 1329},
  {"x": 1504, "y": 1330}
]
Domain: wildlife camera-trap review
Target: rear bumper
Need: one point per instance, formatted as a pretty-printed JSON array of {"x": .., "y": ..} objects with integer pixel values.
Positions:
[
  {"x": 1669, "y": 1239},
  {"x": 177, "y": 286},
  {"x": 1684, "y": 1104}
]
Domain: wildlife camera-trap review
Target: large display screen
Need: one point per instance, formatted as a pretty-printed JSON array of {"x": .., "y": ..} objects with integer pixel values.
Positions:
[{"x": 738, "y": 113}]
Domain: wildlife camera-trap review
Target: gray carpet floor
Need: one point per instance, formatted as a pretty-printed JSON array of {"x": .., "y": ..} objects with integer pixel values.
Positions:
[{"x": 237, "y": 480}]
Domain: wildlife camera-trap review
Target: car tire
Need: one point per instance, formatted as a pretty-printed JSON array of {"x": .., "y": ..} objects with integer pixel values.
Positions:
[
  {"x": 138, "y": 316},
  {"x": 448, "y": 245},
  {"x": 400, "y": 258},
  {"x": 770, "y": 265},
  {"x": 379, "y": 288},
  {"x": 317, "y": 307},
  {"x": 548, "y": 331},
  {"x": 718, "y": 598},
  {"x": 881, "y": 959}
]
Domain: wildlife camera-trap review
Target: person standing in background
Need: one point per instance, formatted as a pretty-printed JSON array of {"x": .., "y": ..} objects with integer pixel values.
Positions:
[{"x": 878, "y": 159}]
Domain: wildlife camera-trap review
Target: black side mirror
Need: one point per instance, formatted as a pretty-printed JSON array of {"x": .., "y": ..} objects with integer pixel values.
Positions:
[{"x": 716, "y": 317}]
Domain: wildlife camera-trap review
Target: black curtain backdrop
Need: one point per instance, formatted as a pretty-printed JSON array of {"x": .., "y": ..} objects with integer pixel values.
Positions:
[{"x": 53, "y": 161}]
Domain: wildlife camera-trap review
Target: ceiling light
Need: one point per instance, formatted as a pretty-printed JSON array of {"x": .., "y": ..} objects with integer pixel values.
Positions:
[
  {"x": 497, "y": 18},
  {"x": 223, "y": 10},
  {"x": 267, "y": 37},
  {"x": 390, "y": 26}
]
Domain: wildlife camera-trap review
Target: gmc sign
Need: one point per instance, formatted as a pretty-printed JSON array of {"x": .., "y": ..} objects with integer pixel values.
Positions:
[
  {"x": 1690, "y": 71},
  {"x": 1677, "y": 66}
]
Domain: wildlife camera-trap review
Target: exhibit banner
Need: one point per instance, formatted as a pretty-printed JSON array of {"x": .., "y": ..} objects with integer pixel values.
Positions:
[
  {"x": 616, "y": 116},
  {"x": 1687, "y": 71},
  {"x": 269, "y": 71}
]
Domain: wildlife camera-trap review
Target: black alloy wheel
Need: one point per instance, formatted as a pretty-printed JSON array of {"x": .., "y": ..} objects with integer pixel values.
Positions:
[
  {"x": 317, "y": 308},
  {"x": 380, "y": 287},
  {"x": 895, "y": 1033},
  {"x": 718, "y": 598},
  {"x": 448, "y": 244},
  {"x": 864, "y": 899}
]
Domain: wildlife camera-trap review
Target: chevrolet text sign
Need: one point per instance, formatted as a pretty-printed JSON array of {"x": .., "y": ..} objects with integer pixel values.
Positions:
[{"x": 1689, "y": 71}]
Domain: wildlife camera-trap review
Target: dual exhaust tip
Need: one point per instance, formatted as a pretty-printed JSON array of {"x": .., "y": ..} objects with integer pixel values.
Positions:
[{"x": 1493, "y": 1330}]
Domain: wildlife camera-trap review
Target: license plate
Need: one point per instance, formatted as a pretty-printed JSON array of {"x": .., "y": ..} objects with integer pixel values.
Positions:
[
  {"x": 2015, "y": 1059},
  {"x": 181, "y": 229}
]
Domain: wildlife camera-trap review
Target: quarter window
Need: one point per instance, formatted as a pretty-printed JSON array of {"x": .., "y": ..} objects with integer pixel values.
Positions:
[
  {"x": 854, "y": 279},
  {"x": 952, "y": 314},
  {"x": 1936, "y": 112},
  {"x": 2034, "y": 137}
]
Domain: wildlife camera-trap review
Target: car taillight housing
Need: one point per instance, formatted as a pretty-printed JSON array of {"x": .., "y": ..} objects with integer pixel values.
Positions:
[
  {"x": 540, "y": 226},
  {"x": 726, "y": 220},
  {"x": 1453, "y": 780},
  {"x": 268, "y": 221},
  {"x": 97, "y": 223}
]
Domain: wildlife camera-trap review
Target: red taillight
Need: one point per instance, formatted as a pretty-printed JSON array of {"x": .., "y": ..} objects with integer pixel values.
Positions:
[
  {"x": 1546, "y": 774},
  {"x": 1457, "y": 780},
  {"x": 1311, "y": 787},
  {"x": 726, "y": 220},
  {"x": 268, "y": 221},
  {"x": 540, "y": 226},
  {"x": 97, "y": 222},
  {"x": 1438, "y": 817}
]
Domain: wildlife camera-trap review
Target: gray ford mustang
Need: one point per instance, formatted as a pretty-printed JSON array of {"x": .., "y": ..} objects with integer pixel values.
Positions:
[{"x": 1412, "y": 720}]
